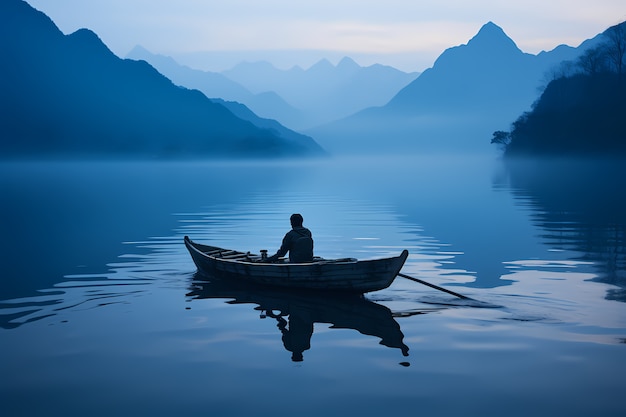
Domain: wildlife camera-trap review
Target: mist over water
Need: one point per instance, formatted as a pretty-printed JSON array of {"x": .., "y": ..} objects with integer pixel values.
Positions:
[
  {"x": 100, "y": 296},
  {"x": 103, "y": 313}
]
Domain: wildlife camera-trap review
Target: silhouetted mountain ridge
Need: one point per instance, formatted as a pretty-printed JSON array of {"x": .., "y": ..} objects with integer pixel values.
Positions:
[
  {"x": 212, "y": 84},
  {"x": 581, "y": 115},
  {"x": 296, "y": 97},
  {"x": 454, "y": 105},
  {"x": 71, "y": 95},
  {"x": 582, "y": 110},
  {"x": 244, "y": 113},
  {"x": 575, "y": 115},
  {"x": 347, "y": 64},
  {"x": 215, "y": 85},
  {"x": 491, "y": 39},
  {"x": 488, "y": 67},
  {"x": 323, "y": 92}
]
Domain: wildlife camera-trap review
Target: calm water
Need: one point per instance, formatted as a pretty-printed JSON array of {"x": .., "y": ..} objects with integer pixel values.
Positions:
[{"x": 101, "y": 312}]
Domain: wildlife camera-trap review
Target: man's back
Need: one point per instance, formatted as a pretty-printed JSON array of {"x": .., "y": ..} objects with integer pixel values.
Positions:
[
  {"x": 298, "y": 242},
  {"x": 302, "y": 246}
]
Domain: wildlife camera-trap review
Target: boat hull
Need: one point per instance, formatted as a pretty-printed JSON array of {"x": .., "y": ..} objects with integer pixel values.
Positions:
[{"x": 347, "y": 275}]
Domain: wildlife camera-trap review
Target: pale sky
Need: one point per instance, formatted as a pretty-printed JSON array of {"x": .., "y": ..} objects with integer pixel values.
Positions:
[{"x": 407, "y": 34}]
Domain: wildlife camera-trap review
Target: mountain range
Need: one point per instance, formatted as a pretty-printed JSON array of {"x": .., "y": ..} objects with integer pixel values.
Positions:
[
  {"x": 215, "y": 85},
  {"x": 324, "y": 92},
  {"x": 296, "y": 97},
  {"x": 470, "y": 91},
  {"x": 581, "y": 112},
  {"x": 70, "y": 95}
]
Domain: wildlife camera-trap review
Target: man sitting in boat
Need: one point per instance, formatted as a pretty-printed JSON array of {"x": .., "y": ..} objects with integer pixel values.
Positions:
[{"x": 298, "y": 242}]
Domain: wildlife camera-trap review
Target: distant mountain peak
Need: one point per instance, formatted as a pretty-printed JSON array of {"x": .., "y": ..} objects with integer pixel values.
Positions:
[
  {"x": 90, "y": 42},
  {"x": 492, "y": 37},
  {"x": 139, "y": 50},
  {"x": 347, "y": 62},
  {"x": 491, "y": 27},
  {"x": 139, "y": 53},
  {"x": 71, "y": 87},
  {"x": 87, "y": 35},
  {"x": 488, "y": 47},
  {"x": 322, "y": 64}
]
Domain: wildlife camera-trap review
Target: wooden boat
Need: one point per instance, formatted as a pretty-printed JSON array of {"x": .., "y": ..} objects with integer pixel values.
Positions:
[{"x": 347, "y": 275}]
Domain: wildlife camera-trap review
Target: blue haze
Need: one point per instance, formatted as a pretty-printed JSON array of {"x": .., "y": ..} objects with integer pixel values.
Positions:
[
  {"x": 70, "y": 95},
  {"x": 102, "y": 311},
  {"x": 471, "y": 91},
  {"x": 298, "y": 98}
]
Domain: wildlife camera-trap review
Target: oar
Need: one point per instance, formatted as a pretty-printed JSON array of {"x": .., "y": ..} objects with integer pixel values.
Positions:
[{"x": 434, "y": 286}]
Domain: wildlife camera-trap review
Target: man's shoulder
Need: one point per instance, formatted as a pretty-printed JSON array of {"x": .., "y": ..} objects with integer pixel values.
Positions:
[{"x": 302, "y": 231}]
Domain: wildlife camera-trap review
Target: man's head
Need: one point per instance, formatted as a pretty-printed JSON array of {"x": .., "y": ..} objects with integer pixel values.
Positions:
[{"x": 296, "y": 220}]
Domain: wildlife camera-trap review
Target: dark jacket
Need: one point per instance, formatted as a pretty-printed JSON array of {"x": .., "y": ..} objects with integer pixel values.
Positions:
[{"x": 299, "y": 243}]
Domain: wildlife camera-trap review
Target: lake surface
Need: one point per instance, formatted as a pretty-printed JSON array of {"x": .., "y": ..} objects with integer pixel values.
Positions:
[{"x": 102, "y": 313}]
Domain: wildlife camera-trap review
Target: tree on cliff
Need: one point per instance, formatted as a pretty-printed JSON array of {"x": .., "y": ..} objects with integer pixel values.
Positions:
[{"x": 581, "y": 111}]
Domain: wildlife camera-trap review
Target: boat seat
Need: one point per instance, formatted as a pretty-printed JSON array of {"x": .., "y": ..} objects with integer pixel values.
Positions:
[{"x": 235, "y": 256}]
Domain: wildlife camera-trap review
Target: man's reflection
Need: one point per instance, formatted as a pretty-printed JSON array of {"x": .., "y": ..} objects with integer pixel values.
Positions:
[
  {"x": 297, "y": 312},
  {"x": 297, "y": 333}
]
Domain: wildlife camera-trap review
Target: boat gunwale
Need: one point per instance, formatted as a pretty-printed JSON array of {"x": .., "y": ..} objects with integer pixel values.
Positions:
[
  {"x": 341, "y": 261},
  {"x": 281, "y": 274}
]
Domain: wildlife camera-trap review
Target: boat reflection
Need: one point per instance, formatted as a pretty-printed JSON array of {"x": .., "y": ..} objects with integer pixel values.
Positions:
[{"x": 296, "y": 312}]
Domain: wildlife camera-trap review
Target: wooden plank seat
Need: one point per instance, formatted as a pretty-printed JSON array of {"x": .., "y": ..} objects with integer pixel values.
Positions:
[{"x": 238, "y": 255}]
